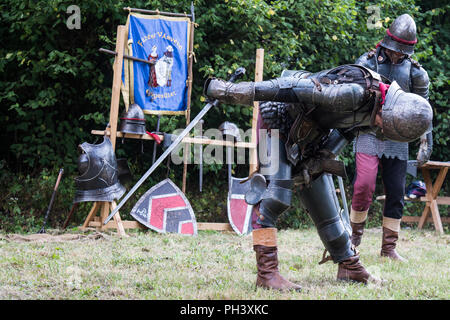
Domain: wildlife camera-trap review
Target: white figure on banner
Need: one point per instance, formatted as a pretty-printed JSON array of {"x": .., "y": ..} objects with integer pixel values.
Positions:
[{"x": 164, "y": 68}]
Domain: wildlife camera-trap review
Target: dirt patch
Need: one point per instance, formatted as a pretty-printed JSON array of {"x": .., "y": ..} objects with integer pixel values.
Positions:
[{"x": 45, "y": 237}]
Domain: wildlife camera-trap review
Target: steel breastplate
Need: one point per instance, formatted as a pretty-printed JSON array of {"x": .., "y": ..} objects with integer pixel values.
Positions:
[
  {"x": 400, "y": 72},
  {"x": 397, "y": 72},
  {"x": 98, "y": 180}
]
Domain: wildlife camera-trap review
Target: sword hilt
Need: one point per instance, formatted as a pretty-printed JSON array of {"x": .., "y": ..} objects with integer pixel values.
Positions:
[{"x": 239, "y": 73}]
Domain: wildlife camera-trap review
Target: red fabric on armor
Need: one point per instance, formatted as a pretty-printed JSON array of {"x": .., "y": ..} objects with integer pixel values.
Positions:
[{"x": 383, "y": 89}]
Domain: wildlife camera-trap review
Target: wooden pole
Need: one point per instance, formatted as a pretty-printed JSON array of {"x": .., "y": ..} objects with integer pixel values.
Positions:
[
  {"x": 66, "y": 223},
  {"x": 189, "y": 93},
  {"x": 118, "y": 220},
  {"x": 114, "y": 113},
  {"x": 91, "y": 214},
  {"x": 157, "y": 12},
  {"x": 258, "y": 77},
  {"x": 104, "y": 206},
  {"x": 117, "y": 80}
]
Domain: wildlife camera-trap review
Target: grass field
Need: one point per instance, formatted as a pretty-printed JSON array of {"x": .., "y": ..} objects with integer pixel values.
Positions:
[{"x": 213, "y": 265}]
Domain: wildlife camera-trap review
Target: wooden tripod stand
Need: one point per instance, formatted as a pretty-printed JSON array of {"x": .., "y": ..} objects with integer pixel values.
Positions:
[{"x": 92, "y": 220}]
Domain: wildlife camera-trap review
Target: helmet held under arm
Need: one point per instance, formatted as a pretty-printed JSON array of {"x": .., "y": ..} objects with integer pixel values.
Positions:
[{"x": 406, "y": 116}]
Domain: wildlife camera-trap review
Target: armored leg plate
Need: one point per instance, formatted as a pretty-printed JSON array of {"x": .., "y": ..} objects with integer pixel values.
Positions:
[{"x": 319, "y": 203}]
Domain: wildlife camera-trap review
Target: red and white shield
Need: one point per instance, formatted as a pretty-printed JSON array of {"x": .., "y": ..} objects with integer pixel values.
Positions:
[
  {"x": 239, "y": 212},
  {"x": 164, "y": 208}
]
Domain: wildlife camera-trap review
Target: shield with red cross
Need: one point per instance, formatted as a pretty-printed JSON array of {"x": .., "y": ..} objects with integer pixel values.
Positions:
[
  {"x": 164, "y": 208},
  {"x": 239, "y": 212}
]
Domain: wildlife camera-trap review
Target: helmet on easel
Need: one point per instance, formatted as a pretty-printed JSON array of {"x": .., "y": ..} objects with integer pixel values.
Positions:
[{"x": 133, "y": 120}]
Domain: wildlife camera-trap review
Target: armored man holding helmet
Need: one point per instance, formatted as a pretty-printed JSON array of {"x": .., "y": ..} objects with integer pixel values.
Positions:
[
  {"x": 310, "y": 118},
  {"x": 391, "y": 59}
]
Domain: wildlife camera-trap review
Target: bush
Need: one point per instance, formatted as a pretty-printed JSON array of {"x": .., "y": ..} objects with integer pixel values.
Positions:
[{"x": 55, "y": 86}]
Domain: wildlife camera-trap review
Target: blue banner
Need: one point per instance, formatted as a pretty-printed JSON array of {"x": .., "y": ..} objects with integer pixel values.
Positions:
[{"x": 164, "y": 41}]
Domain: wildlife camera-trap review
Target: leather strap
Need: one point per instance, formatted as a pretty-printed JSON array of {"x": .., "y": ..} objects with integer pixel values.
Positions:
[
  {"x": 325, "y": 258},
  {"x": 317, "y": 84}
]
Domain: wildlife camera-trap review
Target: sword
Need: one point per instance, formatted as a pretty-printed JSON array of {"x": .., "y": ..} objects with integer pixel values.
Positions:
[
  {"x": 236, "y": 75},
  {"x": 200, "y": 157},
  {"x": 344, "y": 199},
  {"x": 229, "y": 162},
  {"x": 155, "y": 144}
]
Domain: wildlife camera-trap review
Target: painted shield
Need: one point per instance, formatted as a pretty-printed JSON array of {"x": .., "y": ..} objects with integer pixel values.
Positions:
[
  {"x": 239, "y": 212},
  {"x": 164, "y": 208}
]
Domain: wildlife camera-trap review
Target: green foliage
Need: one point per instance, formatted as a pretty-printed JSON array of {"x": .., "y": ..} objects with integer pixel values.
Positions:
[
  {"x": 25, "y": 200},
  {"x": 55, "y": 86}
]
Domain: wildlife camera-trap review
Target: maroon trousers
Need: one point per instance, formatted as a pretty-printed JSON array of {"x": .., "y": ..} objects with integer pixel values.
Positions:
[{"x": 393, "y": 174}]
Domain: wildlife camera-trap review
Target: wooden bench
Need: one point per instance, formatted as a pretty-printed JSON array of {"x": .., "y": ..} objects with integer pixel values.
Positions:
[{"x": 431, "y": 199}]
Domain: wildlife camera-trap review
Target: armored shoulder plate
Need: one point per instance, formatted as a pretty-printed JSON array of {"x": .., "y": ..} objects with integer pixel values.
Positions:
[
  {"x": 367, "y": 60},
  {"x": 419, "y": 81}
]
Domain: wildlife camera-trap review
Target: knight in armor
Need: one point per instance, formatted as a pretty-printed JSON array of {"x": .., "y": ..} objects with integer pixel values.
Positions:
[
  {"x": 392, "y": 60},
  {"x": 304, "y": 108}
]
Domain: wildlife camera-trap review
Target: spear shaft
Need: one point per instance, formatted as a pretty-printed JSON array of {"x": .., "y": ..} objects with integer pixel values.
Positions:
[{"x": 126, "y": 56}]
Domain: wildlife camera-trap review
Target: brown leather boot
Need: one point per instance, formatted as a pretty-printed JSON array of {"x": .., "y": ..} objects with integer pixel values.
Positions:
[
  {"x": 388, "y": 245},
  {"x": 357, "y": 222},
  {"x": 265, "y": 246},
  {"x": 352, "y": 270}
]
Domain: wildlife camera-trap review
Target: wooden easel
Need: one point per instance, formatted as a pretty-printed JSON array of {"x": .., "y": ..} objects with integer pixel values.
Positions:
[{"x": 106, "y": 207}]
